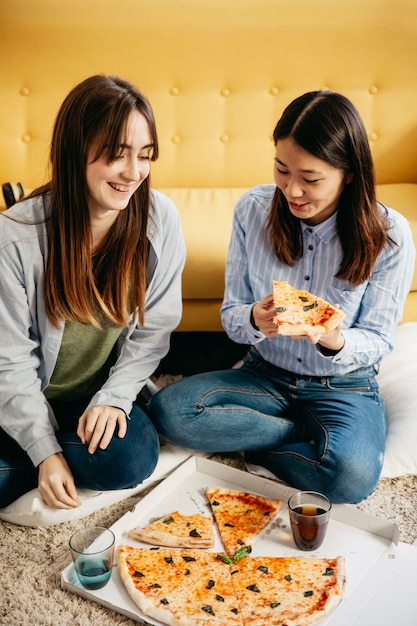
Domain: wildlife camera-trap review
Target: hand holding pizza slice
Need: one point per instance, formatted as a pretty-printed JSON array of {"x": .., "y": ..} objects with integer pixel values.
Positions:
[{"x": 298, "y": 312}]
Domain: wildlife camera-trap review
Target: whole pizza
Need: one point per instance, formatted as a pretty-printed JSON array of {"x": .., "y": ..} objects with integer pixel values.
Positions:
[{"x": 195, "y": 587}]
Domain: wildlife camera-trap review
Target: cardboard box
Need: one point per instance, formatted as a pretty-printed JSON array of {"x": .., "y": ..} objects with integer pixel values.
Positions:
[{"x": 381, "y": 585}]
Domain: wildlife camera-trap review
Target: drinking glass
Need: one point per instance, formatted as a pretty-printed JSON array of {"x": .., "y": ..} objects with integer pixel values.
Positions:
[
  {"x": 92, "y": 551},
  {"x": 309, "y": 513}
]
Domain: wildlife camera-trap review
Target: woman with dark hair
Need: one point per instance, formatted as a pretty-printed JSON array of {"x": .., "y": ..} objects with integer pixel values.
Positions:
[
  {"x": 305, "y": 408},
  {"x": 90, "y": 277}
]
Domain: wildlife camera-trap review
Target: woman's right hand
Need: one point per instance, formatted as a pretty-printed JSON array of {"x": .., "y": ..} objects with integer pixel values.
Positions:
[
  {"x": 263, "y": 313},
  {"x": 56, "y": 483}
]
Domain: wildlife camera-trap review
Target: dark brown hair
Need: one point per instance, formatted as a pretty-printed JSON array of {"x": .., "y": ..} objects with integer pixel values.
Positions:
[
  {"x": 328, "y": 126},
  {"x": 96, "y": 110}
]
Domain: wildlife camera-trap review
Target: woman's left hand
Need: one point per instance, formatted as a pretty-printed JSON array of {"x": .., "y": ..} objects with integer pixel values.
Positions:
[
  {"x": 98, "y": 424},
  {"x": 332, "y": 340}
]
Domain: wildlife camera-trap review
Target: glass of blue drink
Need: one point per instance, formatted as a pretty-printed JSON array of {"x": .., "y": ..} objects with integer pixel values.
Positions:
[{"x": 92, "y": 551}]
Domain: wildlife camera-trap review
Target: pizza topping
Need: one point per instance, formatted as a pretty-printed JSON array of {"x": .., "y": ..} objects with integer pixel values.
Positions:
[
  {"x": 239, "y": 554},
  {"x": 253, "y": 588},
  {"x": 208, "y": 609},
  {"x": 210, "y": 584},
  {"x": 194, "y": 533},
  {"x": 298, "y": 311}
]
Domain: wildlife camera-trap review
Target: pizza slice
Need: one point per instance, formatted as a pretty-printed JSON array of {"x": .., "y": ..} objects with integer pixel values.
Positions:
[
  {"x": 298, "y": 311},
  {"x": 240, "y": 516},
  {"x": 179, "y": 587},
  {"x": 177, "y": 531},
  {"x": 288, "y": 591}
]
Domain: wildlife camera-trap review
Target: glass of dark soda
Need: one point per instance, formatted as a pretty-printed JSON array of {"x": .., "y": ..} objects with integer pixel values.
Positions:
[{"x": 309, "y": 513}]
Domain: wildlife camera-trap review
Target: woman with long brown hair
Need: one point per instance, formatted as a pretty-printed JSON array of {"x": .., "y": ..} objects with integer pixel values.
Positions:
[
  {"x": 90, "y": 281},
  {"x": 305, "y": 408}
]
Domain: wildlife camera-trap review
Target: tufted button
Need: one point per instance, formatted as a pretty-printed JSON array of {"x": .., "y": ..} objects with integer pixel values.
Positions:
[
  {"x": 176, "y": 139},
  {"x": 373, "y": 137},
  {"x": 274, "y": 91},
  {"x": 26, "y": 138},
  {"x": 225, "y": 92},
  {"x": 25, "y": 91},
  {"x": 373, "y": 89},
  {"x": 225, "y": 138},
  {"x": 174, "y": 91}
]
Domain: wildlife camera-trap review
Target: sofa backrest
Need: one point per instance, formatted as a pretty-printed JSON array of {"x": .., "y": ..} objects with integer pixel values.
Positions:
[{"x": 217, "y": 73}]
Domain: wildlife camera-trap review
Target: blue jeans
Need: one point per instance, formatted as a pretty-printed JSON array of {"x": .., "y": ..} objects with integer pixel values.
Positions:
[
  {"x": 321, "y": 433},
  {"x": 123, "y": 464}
]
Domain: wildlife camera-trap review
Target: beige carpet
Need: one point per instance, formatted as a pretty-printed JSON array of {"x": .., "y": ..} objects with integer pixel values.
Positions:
[{"x": 32, "y": 559}]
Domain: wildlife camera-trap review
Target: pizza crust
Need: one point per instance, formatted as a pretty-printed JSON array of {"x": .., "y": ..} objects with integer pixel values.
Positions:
[{"x": 138, "y": 598}]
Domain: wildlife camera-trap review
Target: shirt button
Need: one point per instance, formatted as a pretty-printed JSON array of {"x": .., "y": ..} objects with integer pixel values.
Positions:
[
  {"x": 311, "y": 247},
  {"x": 306, "y": 277},
  {"x": 299, "y": 360}
]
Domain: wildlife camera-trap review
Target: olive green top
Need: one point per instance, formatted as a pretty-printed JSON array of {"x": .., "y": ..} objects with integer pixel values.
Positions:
[{"x": 84, "y": 360}]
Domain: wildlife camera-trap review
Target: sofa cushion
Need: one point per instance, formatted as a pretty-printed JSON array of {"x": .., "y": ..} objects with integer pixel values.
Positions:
[{"x": 206, "y": 219}]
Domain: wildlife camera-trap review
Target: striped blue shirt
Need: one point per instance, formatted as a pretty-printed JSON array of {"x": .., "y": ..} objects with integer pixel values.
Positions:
[{"x": 373, "y": 309}]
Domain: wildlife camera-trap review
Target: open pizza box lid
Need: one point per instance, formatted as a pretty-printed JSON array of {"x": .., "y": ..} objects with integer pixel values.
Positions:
[{"x": 380, "y": 571}]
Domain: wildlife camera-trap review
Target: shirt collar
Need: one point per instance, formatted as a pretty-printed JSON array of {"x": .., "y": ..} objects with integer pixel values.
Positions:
[{"x": 324, "y": 231}]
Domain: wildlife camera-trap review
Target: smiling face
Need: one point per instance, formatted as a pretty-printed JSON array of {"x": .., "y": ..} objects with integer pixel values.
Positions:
[
  {"x": 311, "y": 186},
  {"x": 112, "y": 183}
]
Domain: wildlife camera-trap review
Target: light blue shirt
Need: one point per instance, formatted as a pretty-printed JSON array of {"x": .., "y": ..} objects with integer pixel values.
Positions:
[
  {"x": 30, "y": 344},
  {"x": 373, "y": 309}
]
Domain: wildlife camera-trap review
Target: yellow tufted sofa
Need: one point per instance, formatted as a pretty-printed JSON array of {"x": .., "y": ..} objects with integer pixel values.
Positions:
[{"x": 218, "y": 75}]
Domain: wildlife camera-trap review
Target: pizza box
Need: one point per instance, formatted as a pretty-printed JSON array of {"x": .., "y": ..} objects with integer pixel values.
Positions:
[{"x": 381, "y": 580}]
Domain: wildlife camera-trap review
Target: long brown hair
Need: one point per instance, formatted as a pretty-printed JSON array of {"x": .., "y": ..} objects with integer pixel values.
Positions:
[
  {"x": 328, "y": 126},
  {"x": 97, "y": 109}
]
